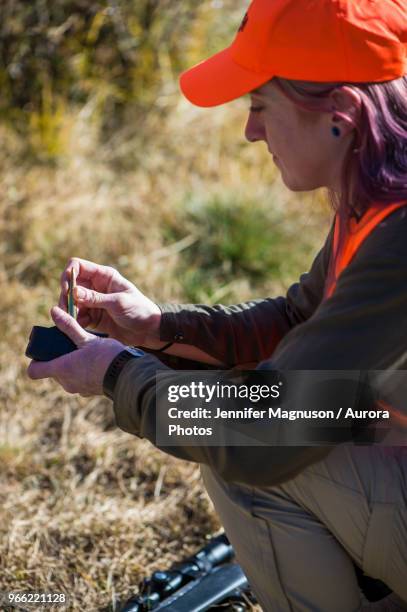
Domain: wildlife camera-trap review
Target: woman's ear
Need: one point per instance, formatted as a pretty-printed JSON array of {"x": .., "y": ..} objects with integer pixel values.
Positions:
[{"x": 347, "y": 101}]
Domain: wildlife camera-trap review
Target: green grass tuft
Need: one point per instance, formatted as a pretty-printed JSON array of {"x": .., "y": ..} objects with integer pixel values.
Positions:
[{"x": 234, "y": 239}]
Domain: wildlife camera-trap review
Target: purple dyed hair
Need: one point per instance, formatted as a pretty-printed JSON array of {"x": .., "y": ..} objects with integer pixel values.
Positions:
[{"x": 375, "y": 168}]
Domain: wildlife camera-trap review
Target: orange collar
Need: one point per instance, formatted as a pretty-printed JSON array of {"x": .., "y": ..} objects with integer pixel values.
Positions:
[{"x": 356, "y": 234}]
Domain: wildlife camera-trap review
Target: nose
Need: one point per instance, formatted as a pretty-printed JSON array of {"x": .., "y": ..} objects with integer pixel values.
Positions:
[{"x": 254, "y": 130}]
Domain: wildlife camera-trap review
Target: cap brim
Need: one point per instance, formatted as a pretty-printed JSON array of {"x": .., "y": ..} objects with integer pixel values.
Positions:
[{"x": 218, "y": 80}]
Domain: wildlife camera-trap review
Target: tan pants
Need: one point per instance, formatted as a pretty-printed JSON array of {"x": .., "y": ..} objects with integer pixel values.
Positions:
[{"x": 296, "y": 541}]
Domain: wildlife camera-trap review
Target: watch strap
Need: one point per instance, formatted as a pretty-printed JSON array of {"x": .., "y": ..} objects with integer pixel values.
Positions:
[{"x": 113, "y": 371}]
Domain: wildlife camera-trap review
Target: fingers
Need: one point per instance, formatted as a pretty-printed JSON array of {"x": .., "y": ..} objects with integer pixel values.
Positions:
[
  {"x": 82, "y": 267},
  {"x": 94, "y": 299},
  {"x": 80, "y": 371},
  {"x": 50, "y": 369},
  {"x": 42, "y": 369},
  {"x": 69, "y": 326},
  {"x": 86, "y": 272},
  {"x": 63, "y": 296},
  {"x": 73, "y": 265},
  {"x": 38, "y": 370},
  {"x": 103, "y": 279}
]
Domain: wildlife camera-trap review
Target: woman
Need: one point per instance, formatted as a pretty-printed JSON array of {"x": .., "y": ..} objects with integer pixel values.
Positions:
[{"x": 329, "y": 99}]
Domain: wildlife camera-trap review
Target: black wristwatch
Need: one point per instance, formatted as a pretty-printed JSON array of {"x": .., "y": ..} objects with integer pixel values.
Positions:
[{"x": 116, "y": 366}]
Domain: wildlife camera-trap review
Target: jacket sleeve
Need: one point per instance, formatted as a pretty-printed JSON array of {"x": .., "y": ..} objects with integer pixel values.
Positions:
[
  {"x": 362, "y": 326},
  {"x": 247, "y": 332}
]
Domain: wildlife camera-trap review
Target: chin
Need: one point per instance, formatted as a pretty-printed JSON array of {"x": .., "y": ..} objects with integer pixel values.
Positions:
[
  {"x": 298, "y": 185},
  {"x": 294, "y": 185}
]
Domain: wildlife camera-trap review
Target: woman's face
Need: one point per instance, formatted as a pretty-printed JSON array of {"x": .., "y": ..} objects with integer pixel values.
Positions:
[{"x": 301, "y": 142}]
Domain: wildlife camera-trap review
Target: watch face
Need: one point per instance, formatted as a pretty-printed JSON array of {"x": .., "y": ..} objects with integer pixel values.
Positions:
[{"x": 135, "y": 351}]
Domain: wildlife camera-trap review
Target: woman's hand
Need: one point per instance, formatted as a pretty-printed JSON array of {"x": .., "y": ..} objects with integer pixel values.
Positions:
[
  {"x": 83, "y": 370},
  {"x": 109, "y": 303}
]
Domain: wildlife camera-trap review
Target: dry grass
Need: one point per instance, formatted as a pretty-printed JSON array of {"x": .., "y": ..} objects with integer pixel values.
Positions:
[{"x": 84, "y": 507}]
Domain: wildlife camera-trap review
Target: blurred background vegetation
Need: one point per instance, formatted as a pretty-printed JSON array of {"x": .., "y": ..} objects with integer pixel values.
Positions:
[
  {"x": 103, "y": 159},
  {"x": 117, "y": 58}
]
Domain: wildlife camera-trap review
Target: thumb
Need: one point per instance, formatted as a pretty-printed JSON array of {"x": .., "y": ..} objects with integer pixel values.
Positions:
[
  {"x": 69, "y": 326},
  {"x": 93, "y": 299}
]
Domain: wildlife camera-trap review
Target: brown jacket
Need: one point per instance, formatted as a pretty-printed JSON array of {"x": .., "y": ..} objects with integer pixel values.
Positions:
[{"x": 363, "y": 326}]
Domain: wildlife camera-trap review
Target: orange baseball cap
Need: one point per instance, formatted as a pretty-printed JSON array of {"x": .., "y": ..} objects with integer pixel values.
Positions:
[{"x": 310, "y": 40}]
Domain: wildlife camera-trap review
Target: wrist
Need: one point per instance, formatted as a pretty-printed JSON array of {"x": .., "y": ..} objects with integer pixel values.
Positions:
[{"x": 152, "y": 340}]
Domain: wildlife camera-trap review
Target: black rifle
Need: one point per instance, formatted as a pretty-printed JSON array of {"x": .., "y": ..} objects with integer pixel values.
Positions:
[
  {"x": 210, "y": 579},
  {"x": 201, "y": 582}
]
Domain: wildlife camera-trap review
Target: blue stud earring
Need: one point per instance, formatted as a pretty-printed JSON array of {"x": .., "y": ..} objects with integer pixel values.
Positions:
[{"x": 336, "y": 131}]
